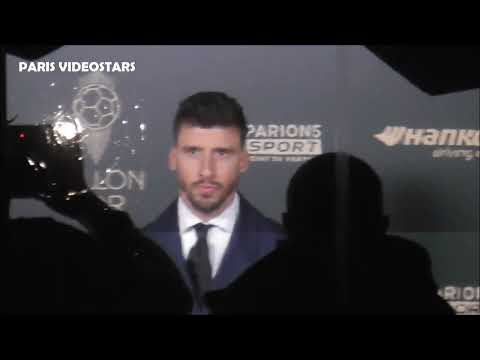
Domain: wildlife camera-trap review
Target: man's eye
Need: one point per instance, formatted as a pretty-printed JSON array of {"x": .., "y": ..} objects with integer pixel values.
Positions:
[
  {"x": 193, "y": 151},
  {"x": 222, "y": 152}
]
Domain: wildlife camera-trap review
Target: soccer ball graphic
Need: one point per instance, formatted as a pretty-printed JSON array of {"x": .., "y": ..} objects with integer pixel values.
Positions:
[{"x": 97, "y": 106}]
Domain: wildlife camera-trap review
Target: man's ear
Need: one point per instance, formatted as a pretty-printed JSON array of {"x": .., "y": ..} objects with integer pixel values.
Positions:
[
  {"x": 172, "y": 159},
  {"x": 244, "y": 160}
]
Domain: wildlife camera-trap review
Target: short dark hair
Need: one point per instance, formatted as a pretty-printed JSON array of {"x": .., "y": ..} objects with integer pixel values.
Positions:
[{"x": 210, "y": 109}]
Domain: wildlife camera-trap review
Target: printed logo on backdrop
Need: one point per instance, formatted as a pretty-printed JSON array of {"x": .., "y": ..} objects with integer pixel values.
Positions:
[
  {"x": 283, "y": 142},
  {"x": 464, "y": 299},
  {"x": 98, "y": 107},
  {"x": 97, "y": 110},
  {"x": 450, "y": 143}
]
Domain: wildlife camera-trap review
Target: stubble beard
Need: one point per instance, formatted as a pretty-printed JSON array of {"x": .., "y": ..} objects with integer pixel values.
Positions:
[{"x": 206, "y": 206}]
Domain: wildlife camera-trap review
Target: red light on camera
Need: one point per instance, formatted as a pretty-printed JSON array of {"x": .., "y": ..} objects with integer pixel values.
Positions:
[{"x": 21, "y": 136}]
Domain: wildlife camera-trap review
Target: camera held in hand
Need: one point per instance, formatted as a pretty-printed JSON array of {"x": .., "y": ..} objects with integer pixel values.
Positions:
[{"x": 44, "y": 161}]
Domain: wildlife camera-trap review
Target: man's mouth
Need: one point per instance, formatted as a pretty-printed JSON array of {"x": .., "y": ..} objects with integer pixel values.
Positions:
[{"x": 206, "y": 189}]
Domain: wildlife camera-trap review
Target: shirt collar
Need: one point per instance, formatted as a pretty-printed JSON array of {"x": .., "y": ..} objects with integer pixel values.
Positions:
[{"x": 225, "y": 221}]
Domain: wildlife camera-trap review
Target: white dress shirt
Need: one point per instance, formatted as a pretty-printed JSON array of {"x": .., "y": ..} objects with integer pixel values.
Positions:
[{"x": 218, "y": 236}]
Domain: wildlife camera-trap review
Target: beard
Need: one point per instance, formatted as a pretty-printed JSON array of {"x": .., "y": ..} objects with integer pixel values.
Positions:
[{"x": 207, "y": 204}]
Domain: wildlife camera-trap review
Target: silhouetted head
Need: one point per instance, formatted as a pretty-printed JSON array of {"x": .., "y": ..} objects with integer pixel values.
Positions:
[{"x": 332, "y": 194}]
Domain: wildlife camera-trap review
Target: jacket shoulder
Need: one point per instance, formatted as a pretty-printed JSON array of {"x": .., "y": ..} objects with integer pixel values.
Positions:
[
  {"x": 166, "y": 220},
  {"x": 261, "y": 221},
  {"x": 407, "y": 248}
]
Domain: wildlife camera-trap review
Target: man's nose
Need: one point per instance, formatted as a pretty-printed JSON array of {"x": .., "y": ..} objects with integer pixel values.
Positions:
[{"x": 207, "y": 167}]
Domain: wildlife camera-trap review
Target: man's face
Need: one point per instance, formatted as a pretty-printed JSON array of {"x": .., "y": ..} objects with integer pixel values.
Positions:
[{"x": 208, "y": 163}]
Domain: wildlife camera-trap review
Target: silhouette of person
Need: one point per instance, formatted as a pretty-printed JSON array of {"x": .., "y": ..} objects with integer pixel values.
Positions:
[
  {"x": 51, "y": 268},
  {"x": 338, "y": 258}
]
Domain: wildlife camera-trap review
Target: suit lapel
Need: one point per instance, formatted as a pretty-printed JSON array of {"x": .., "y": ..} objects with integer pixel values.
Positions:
[
  {"x": 164, "y": 232},
  {"x": 242, "y": 249}
]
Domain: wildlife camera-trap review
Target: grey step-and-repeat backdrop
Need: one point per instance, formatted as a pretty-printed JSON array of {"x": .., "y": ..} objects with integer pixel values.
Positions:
[{"x": 300, "y": 101}]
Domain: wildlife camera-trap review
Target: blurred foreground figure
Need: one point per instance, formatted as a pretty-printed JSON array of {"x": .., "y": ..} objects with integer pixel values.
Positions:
[
  {"x": 49, "y": 268},
  {"x": 338, "y": 259}
]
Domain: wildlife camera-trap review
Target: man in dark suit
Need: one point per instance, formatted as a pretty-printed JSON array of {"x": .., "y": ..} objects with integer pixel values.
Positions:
[{"x": 211, "y": 232}]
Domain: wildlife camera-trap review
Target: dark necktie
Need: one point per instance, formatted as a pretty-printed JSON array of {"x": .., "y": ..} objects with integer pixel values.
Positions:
[{"x": 198, "y": 264}]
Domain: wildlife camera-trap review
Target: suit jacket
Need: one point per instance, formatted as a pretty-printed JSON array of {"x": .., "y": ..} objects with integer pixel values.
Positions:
[{"x": 254, "y": 236}]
